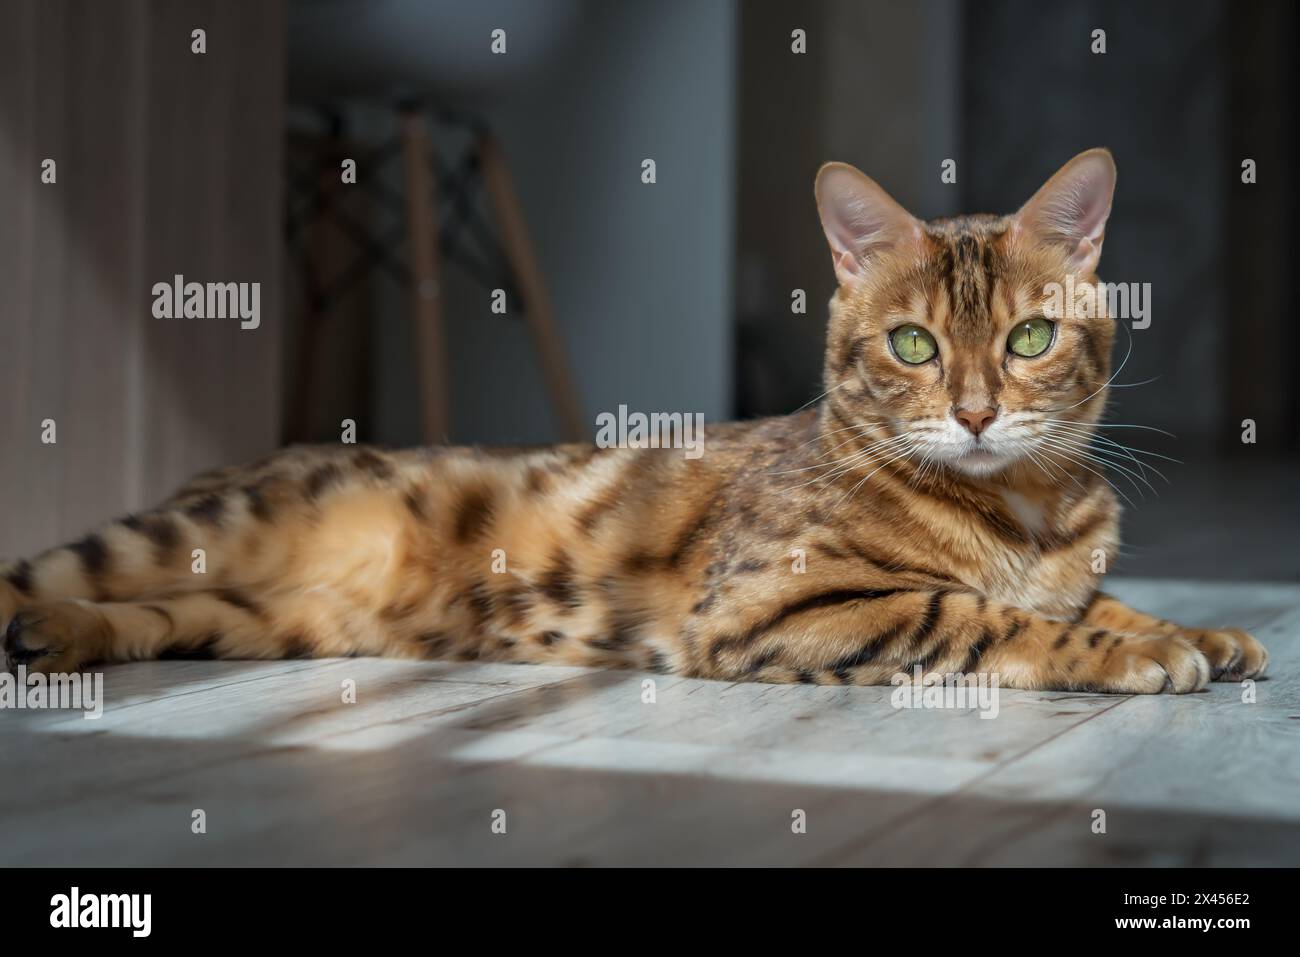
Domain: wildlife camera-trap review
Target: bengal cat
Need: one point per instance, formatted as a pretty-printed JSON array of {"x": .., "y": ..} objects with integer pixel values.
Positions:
[{"x": 931, "y": 511}]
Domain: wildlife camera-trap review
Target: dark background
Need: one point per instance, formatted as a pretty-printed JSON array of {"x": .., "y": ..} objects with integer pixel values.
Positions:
[{"x": 668, "y": 297}]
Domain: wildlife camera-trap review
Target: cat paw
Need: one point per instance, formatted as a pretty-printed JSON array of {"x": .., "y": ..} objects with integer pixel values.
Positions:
[
  {"x": 1232, "y": 653},
  {"x": 54, "y": 637},
  {"x": 1154, "y": 665}
]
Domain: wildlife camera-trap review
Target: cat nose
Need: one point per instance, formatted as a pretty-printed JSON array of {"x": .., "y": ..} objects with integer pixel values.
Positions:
[{"x": 977, "y": 421}]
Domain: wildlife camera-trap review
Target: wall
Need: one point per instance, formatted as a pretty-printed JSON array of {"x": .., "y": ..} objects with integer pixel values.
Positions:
[
  {"x": 1157, "y": 99},
  {"x": 639, "y": 275},
  {"x": 861, "y": 94},
  {"x": 167, "y": 162}
]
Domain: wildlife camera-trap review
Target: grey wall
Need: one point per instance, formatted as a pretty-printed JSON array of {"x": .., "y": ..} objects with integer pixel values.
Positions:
[
  {"x": 167, "y": 162},
  {"x": 861, "y": 94},
  {"x": 640, "y": 275},
  {"x": 1157, "y": 98}
]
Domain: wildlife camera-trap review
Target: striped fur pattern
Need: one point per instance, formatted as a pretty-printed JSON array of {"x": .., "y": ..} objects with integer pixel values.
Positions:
[{"x": 841, "y": 545}]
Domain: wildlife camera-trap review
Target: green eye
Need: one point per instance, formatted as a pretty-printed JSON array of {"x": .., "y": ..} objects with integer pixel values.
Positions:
[
  {"x": 913, "y": 344},
  {"x": 1030, "y": 338}
]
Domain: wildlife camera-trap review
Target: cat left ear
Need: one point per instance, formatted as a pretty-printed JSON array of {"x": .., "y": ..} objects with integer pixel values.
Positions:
[
  {"x": 860, "y": 219},
  {"x": 1072, "y": 207}
]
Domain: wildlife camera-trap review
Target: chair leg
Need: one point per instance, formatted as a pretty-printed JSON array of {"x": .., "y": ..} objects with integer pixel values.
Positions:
[
  {"x": 426, "y": 294},
  {"x": 298, "y": 424},
  {"x": 518, "y": 249}
]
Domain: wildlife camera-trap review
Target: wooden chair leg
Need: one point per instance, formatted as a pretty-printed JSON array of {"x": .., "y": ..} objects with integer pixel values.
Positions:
[
  {"x": 426, "y": 294},
  {"x": 518, "y": 248},
  {"x": 298, "y": 425}
]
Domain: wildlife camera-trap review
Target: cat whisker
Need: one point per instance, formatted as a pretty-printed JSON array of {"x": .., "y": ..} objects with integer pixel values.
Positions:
[
  {"x": 821, "y": 435},
  {"x": 1055, "y": 469},
  {"x": 864, "y": 457},
  {"x": 818, "y": 398},
  {"x": 908, "y": 450},
  {"x": 1104, "y": 459},
  {"x": 1109, "y": 447},
  {"x": 849, "y": 462},
  {"x": 1143, "y": 467},
  {"x": 830, "y": 467},
  {"x": 1085, "y": 447},
  {"x": 1133, "y": 385},
  {"x": 1072, "y": 458},
  {"x": 1114, "y": 376},
  {"x": 1112, "y": 425},
  {"x": 1129, "y": 452},
  {"x": 820, "y": 465},
  {"x": 861, "y": 431},
  {"x": 867, "y": 455},
  {"x": 921, "y": 469}
]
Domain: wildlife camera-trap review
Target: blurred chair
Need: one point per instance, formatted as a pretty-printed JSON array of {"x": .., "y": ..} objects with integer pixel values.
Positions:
[{"x": 431, "y": 64}]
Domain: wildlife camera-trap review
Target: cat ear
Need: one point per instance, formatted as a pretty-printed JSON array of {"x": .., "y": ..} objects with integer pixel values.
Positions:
[
  {"x": 1072, "y": 207},
  {"x": 860, "y": 219}
]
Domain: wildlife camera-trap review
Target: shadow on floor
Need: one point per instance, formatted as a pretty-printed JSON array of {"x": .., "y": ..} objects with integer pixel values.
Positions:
[{"x": 89, "y": 797}]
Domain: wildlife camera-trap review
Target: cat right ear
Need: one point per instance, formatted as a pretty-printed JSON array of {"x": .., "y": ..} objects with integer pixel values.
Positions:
[
  {"x": 860, "y": 220},
  {"x": 1071, "y": 209}
]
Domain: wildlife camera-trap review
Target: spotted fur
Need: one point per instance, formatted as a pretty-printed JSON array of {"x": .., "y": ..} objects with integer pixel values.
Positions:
[{"x": 804, "y": 548}]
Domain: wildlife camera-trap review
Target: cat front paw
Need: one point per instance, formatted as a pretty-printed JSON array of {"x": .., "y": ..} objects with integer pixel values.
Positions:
[
  {"x": 1232, "y": 653},
  {"x": 1140, "y": 665},
  {"x": 52, "y": 637}
]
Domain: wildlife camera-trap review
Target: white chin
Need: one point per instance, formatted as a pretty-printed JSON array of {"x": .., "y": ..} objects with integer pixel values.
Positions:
[{"x": 979, "y": 462}]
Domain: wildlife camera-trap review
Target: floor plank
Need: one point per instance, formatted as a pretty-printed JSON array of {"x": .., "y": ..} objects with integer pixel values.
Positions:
[
  {"x": 588, "y": 771},
  {"x": 1182, "y": 780}
]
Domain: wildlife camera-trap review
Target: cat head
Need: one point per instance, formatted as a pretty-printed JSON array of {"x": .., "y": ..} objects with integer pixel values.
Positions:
[{"x": 951, "y": 331}]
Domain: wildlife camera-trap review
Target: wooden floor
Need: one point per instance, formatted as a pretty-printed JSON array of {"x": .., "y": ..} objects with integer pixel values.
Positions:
[{"x": 587, "y": 773}]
